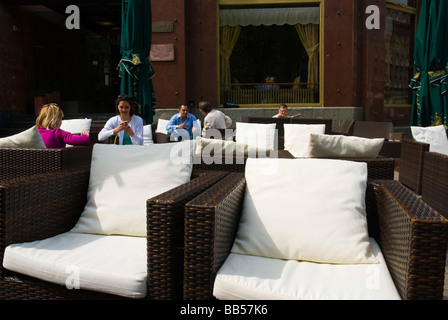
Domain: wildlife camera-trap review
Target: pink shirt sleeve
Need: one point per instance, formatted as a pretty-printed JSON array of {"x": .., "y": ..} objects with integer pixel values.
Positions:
[{"x": 74, "y": 139}]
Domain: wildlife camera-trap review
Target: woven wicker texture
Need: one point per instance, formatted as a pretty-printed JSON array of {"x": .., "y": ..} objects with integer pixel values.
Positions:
[
  {"x": 413, "y": 241},
  {"x": 43, "y": 205},
  {"x": 435, "y": 181},
  {"x": 210, "y": 228},
  {"x": 165, "y": 225},
  {"x": 411, "y": 164},
  {"x": 16, "y": 162},
  {"x": 412, "y": 235}
]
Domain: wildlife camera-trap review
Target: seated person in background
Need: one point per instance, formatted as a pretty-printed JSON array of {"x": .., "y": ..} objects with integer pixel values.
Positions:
[
  {"x": 127, "y": 126},
  {"x": 213, "y": 119},
  {"x": 182, "y": 121},
  {"x": 49, "y": 122},
  {"x": 282, "y": 112},
  {"x": 270, "y": 84}
]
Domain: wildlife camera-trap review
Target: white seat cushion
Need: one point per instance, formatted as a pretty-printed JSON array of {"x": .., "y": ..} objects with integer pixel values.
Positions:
[
  {"x": 297, "y": 137},
  {"x": 109, "y": 264},
  {"x": 257, "y": 278},
  {"x": 123, "y": 178}
]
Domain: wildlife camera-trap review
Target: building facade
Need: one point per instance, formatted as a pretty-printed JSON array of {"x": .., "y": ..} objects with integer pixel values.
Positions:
[{"x": 318, "y": 53}]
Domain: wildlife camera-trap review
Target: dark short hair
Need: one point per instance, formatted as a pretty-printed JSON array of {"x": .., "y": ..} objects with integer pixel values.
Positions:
[
  {"x": 205, "y": 106},
  {"x": 283, "y": 106},
  {"x": 130, "y": 100}
]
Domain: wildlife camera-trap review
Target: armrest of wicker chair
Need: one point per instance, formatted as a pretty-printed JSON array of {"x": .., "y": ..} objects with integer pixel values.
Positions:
[
  {"x": 40, "y": 206},
  {"x": 165, "y": 225},
  {"x": 413, "y": 240},
  {"x": 18, "y": 162},
  {"x": 435, "y": 181},
  {"x": 211, "y": 223},
  {"x": 411, "y": 164}
]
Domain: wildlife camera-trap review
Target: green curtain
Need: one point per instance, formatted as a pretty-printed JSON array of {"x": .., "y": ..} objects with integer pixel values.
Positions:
[
  {"x": 134, "y": 68},
  {"x": 430, "y": 106}
]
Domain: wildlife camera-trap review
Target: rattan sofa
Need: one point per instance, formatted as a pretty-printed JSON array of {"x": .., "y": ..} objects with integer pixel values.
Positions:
[
  {"x": 17, "y": 162},
  {"x": 412, "y": 236},
  {"x": 43, "y": 205}
]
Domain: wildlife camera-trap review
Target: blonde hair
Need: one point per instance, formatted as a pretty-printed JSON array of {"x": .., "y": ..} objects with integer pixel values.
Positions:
[{"x": 49, "y": 116}]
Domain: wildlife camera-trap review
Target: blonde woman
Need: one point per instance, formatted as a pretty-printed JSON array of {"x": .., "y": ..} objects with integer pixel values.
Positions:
[{"x": 49, "y": 122}]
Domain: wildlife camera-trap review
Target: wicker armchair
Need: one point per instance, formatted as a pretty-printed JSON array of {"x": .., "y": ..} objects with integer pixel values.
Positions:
[
  {"x": 412, "y": 237},
  {"x": 32, "y": 211},
  {"x": 17, "y": 162},
  {"x": 411, "y": 164}
]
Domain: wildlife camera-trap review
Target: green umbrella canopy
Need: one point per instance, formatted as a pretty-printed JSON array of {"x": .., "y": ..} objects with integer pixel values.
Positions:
[
  {"x": 430, "y": 107},
  {"x": 134, "y": 68}
]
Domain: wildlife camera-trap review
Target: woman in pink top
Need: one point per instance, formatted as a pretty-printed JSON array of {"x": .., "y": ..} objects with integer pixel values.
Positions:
[{"x": 49, "y": 122}]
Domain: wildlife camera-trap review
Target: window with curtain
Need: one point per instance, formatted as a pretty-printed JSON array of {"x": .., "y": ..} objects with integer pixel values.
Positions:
[
  {"x": 400, "y": 34},
  {"x": 281, "y": 44}
]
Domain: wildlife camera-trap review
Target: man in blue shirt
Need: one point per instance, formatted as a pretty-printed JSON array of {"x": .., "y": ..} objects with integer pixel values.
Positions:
[{"x": 182, "y": 120}]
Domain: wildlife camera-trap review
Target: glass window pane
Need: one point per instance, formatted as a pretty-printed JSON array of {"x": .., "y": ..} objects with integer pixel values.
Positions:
[
  {"x": 399, "y": 57},
  {"x": 270, "y": 64}
]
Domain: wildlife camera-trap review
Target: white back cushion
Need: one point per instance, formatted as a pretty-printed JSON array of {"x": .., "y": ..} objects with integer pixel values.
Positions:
[
  {"x": 258, "y": 135},
  {"x": 75, "y": 126},
  {"x": 161, "y": 126},
  {"x": 147, "y": 135},
  {"x": 122, "y": 178},
  {"x": 434, "y": 136},
  {"x": 297, "y": 137},
  {"x": 29, "y": 138},
  {"x": 310, "y": 209},
  {"x": 327, "y": 146}
]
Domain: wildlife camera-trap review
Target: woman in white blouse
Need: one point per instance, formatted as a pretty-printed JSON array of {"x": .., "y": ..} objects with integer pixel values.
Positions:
[{"x": 126, "y": 126}]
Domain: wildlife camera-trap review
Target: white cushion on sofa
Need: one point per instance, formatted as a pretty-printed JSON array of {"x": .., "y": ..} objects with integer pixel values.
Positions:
[
  {"x": 109, "y": 264},
  {"x": 147, "y": 135},
  {"x": 297, "y": 137},
  {"x": 257, "y": 278},
  {"x": 122, "y": 178},
  {"x": 76, "y": 126},
  {"x": 29, "y": 138},
  {"x": 161, "y": 126},
  {"x": 434, "y": 136},
  {"x": 258, "y": 135},
  {"x": 219, "y": 147},
  {"x": 311, "y": 209},
  {"x": 327, "y": 146}
]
